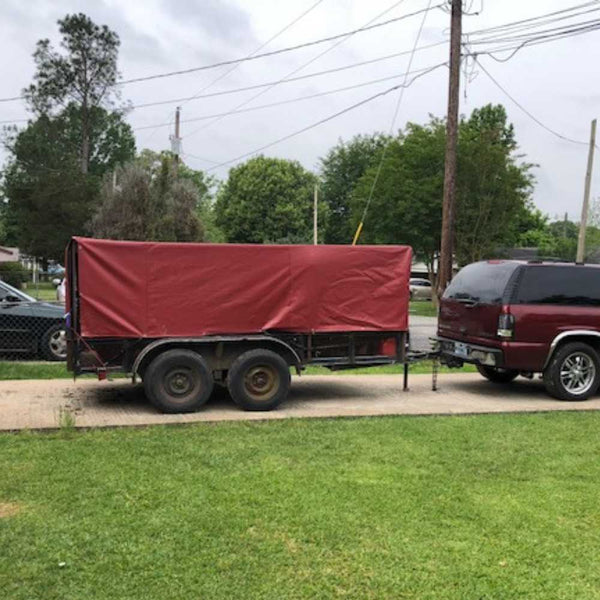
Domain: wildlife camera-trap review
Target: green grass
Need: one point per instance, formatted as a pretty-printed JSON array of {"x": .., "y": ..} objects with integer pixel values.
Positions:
[
  {"x": 422, "y": 308},
  {"x": 33, "y": 370},
  {"x": 46, "y": 370},
  {"x": 495, "y": 507},
  {"x": 44, "y": 291}
]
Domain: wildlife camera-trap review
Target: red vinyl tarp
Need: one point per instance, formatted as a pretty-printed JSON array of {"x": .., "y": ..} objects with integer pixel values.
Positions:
[{"x": 153, "y": 289}]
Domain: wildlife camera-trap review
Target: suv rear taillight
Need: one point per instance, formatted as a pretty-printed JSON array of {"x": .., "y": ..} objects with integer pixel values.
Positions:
[{"x": 506, "y": 326}]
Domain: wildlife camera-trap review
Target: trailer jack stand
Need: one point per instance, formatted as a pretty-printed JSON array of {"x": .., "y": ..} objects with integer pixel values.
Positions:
[
  {"x": 405, "y": 385},
  {"x": 434, "y": 374}
]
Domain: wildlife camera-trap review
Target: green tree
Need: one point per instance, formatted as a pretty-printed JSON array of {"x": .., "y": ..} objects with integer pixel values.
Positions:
[
  {"x": 56, "y": 163},
  {"x": 340, "y": 171},
  {"x": 493, "y": 205},
  {"x": 48, "y": 198},
  {"x": 406, "y": 207},
  {"x": 206, "y": 188},
  {"x": 493, "y": 189},
  {"x": 148, "y": 203},
  {"x": 267, "y": 200},
  {"x": 83, "y": 75}
]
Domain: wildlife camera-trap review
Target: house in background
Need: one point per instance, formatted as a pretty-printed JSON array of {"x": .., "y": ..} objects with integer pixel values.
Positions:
[{"x": 8, "y": 254}]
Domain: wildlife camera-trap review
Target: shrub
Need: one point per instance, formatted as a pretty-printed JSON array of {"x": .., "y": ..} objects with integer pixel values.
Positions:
[{"x": 14, "y": 273}]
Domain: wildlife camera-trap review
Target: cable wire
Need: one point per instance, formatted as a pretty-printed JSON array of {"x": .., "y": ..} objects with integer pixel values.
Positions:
[
  {"x": 291, "y": 100},
  {"x": 529, "y": 114},
  {"x": 312, "y": 60},
  {"x": 326, "y": 119}
]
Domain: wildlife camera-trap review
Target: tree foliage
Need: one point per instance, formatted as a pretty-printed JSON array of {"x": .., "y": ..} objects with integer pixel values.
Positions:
[
  {"x": 83, "y": 76},
  {"x": 48, "y": 198},
  {"x": 341, "y": 169},
  {"x": 267, "y": 200},
  {"x": 493, "y": 188},
  {"x": 148, "y": 202},
  {"x": 56, "y": 163}
]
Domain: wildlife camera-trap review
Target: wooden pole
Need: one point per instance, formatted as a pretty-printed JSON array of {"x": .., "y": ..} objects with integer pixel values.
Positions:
[
  {"x": 176, "y": 145},
  {"x": 316, "y": 216},
  {"x": 586, "y": 196},
  {"x": 447, "y": 241}
]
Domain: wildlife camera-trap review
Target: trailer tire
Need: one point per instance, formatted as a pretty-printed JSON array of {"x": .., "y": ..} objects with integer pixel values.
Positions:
[
  {"x": 178, "y": 381},
  {"x": 259, "y": 380}
]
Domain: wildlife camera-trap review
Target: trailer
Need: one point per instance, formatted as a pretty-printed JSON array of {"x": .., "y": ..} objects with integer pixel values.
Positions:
[{"x": 184, "y": 317}]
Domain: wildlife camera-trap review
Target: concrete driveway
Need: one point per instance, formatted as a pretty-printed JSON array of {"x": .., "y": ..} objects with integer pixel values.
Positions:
[{"x": 39, "y": 404}]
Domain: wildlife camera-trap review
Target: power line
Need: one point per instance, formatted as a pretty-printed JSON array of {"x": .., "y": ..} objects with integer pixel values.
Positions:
[
  {"x": 274, "y": 37},
  {"x": 318, "y": 56},
  {"x": 225, "y": 63},
  {"x": 254, "y": 52},
  {"x": 289, "y": 80},
  {"x": 326, "y": 119},
  {"x": 322, "y": 40},
  {"x": 529, "y": 114},
  {"x": 534, "y": 41},
  {"x": 532, "y": 19},
  {"x": 291, "y": 100}
]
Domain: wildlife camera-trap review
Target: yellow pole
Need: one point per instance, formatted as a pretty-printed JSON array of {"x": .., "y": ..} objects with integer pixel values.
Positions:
[{"x": 357, "y": 234}]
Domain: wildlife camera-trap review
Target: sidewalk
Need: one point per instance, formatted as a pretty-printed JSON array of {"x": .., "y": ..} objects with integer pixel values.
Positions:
[{"x": 38, "y": 404}]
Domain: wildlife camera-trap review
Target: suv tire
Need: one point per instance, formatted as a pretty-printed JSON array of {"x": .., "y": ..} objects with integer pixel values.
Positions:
[
  {"x": 497, "y": 375},
  {"x": 259, "y": 380},
  {"x": 178, "y": 381},
  {"x": 573, "y": 372}
]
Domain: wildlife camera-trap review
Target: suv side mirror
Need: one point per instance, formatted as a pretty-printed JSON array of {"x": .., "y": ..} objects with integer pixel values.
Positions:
[{"x": 11, "y": 299}]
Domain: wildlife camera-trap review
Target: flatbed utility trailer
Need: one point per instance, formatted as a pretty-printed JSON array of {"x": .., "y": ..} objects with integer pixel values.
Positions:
[{"x": 183, "y": 317}]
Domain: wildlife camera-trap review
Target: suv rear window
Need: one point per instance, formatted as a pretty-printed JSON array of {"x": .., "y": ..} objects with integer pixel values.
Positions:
[
  {"x": 482, "y": 282},
  {"x": 565, "y": 285}
]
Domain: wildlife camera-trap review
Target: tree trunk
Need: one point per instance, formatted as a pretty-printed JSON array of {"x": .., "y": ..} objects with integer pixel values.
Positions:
[{"x": 85, "y": 137}]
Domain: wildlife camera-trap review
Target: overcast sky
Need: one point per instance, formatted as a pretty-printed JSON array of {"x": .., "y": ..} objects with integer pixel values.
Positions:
[{"x": 557, "y": 82}]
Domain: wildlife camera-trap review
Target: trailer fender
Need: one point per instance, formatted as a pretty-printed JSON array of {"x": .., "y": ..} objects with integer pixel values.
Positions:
[{"x": 214, "y": 339}]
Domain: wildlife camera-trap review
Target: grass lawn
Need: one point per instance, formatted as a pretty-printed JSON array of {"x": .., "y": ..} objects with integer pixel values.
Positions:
[
  {"x": 47, "y": 370},
  {"x": 44, "y": 290},
  {"x": 494, "y": 507},
  {"x": 422, "y": 308}
]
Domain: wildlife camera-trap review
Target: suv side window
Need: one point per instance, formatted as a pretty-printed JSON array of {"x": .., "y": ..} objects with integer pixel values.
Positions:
[{"x": 559, "y": 285}]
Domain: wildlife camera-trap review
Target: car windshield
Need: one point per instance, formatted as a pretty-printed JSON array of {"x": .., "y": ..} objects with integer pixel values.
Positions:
[
  {"x": 12, "y": 291},
  {"x": 482, "y": 282}
]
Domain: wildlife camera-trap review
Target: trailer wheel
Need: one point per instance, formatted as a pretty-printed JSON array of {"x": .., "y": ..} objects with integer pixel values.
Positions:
[
  {"x": 178, "y": 381},
  {"x": 259, "y": 380}
]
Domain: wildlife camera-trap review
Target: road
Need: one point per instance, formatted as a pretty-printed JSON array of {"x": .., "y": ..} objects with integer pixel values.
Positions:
[{"x": 421, "y": 329}]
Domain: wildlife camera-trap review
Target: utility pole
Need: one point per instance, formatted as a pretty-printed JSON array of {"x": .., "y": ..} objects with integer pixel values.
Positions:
[
  {"x": 176, "y": 139},
  {"x": 586, "y": 196},
  {"x": 447, "y": 242},
  {"x": 315, "y": 215}
]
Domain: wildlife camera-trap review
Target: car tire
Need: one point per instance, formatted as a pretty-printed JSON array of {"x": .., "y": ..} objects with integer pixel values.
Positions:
[
  {"x": 178, "y": 381},
  {"x": 259, "y": 380},
  {"x": 53, "y": 345},
  {"x": 497, "y": 375},
  {"x": 573, "y": 373}
]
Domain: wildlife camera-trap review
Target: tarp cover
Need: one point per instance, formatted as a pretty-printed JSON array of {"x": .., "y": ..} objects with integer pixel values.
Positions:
[{"x": 152, "y": 289}]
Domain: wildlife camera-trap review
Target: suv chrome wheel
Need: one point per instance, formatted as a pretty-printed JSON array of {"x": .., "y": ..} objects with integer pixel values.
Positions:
[
  {"x": 573, "y": 372},
  {"x": 578, "y": 373}
]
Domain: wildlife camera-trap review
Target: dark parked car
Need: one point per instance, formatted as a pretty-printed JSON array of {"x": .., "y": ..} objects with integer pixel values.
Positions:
[
  {"x": 29, "y": 327},
  {"x": 512, "y": 318}
]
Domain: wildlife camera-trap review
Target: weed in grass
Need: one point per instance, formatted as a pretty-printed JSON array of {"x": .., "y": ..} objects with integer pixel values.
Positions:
[{"x": 66, "y": 419}]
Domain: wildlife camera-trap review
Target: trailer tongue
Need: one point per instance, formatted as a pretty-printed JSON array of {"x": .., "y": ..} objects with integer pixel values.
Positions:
[{"x": 183, "y": 317}]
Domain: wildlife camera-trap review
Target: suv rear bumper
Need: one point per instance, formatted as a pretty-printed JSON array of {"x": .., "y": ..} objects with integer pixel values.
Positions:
[{"x": 457, "y": 351}]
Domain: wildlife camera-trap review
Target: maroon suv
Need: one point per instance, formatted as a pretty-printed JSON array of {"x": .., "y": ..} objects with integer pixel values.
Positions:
[{"x": 512, "y": 318}]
